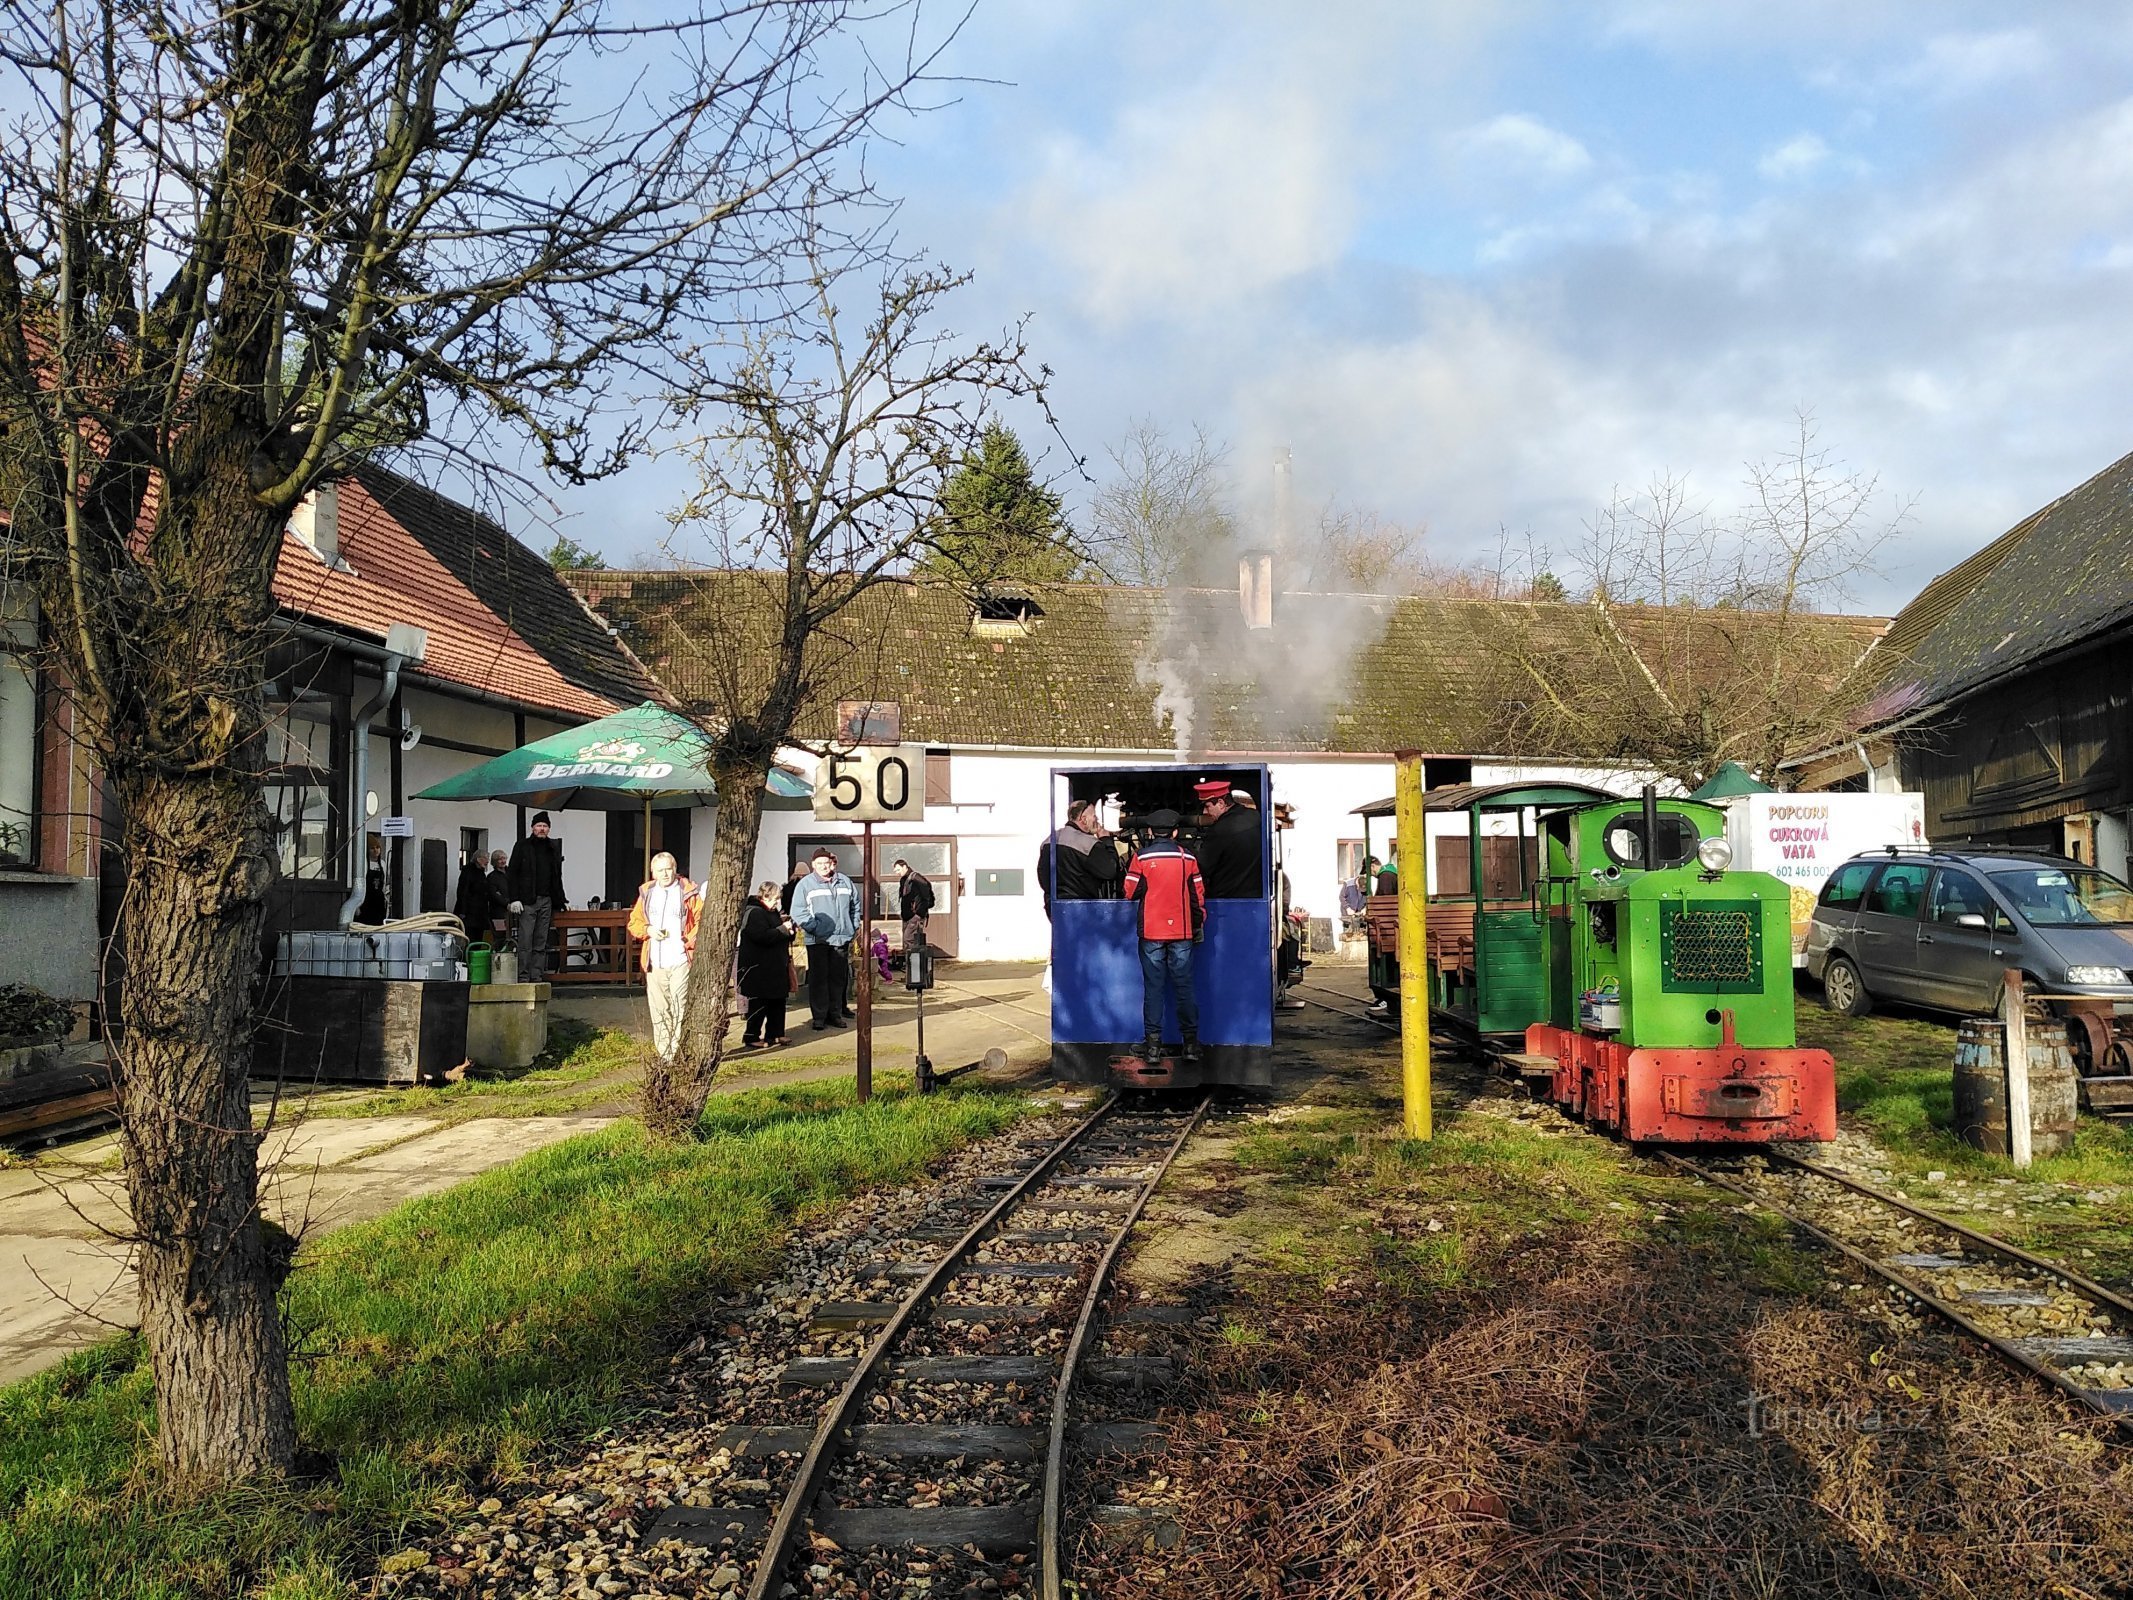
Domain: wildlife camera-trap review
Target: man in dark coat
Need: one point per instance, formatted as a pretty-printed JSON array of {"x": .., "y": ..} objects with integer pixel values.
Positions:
[
  {"x": 1230, "y": 846},
  {"x": 1084, "y": 857},
  {"x": 536, "y": 875},
  {"x": 914, "y": 903}
]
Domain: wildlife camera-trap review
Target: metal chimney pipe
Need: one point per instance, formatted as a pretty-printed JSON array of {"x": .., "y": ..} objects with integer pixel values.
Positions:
[{"x": 1284, "y": 510}]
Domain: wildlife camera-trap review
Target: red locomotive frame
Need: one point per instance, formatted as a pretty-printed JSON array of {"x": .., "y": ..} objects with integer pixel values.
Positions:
[{"x": 1724, "y": 1094}]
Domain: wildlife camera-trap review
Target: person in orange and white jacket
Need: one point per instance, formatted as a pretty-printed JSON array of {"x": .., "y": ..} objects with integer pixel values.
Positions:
[{"x": 664, "y": 921}]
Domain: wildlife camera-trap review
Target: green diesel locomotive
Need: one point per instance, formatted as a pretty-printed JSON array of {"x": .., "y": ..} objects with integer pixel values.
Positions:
[{"x": 1605, "y": 948}]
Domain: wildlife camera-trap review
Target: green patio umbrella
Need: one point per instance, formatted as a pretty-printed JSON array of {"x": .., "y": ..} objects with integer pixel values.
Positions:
[
  {"x": 644, "y": 757},
  {"x": 1729, "y": 780}
]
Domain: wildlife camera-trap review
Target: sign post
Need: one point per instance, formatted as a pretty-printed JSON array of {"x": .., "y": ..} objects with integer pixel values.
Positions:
[
  {"x": 870, "y": 784},
  {"x": 1412, "y": 855},
  {"x": 866, "y": 964}
]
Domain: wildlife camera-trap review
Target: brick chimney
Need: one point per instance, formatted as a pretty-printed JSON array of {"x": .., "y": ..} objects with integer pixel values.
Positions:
[
  {"x": 317, "y": 521},
  {"x": 1255, "y": 587}
]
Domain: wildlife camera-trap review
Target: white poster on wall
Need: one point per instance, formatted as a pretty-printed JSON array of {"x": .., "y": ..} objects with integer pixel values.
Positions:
[{"x": 1800, "y": 839}]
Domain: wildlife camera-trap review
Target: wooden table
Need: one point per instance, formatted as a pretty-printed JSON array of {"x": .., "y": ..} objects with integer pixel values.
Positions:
[{"x": 593, "y": 947}]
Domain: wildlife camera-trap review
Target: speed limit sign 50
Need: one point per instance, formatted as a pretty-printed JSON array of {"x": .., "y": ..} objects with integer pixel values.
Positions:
[{"x": 874, "y": 783}]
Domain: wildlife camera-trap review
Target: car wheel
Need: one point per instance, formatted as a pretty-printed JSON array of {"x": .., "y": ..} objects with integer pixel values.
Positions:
[{"x": 1843, "y": 991}]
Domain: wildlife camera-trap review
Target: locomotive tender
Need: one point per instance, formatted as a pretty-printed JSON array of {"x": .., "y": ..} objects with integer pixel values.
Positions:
[{"x": 1641, "y": 984}]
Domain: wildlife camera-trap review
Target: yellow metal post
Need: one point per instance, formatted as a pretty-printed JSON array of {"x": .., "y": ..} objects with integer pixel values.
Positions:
[{"x": 1412, "y": 855}]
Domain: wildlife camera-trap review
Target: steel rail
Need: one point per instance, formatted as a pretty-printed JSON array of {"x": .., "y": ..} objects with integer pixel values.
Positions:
[
  {"x": 1950, "y": 1312},
  {"x": 1048, "y": 1520},
  {"x": 2066, "y": 1274},
  {"x": 1311, "y": 993},
  {"x": 822, "y": 1449}
]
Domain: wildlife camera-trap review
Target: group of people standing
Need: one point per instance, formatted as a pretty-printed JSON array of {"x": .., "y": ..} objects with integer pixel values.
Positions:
[
  {"x": 820, "y": 906},
  {"x": 1170, "y": 884},
  {"x": 516, "y": 897}
]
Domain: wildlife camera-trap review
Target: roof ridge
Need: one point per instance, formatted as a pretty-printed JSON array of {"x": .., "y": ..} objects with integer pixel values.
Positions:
[{"x": 602, "y": 578}]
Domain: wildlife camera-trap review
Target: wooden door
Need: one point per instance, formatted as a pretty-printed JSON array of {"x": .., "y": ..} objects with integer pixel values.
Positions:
[{"x": 935, "y": 857}]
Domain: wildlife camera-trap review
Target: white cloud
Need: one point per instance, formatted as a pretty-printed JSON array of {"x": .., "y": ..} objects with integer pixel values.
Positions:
[
  {"x": 1522, "y": 146},
  {"x": 1950, "y": 66},
  {"x": 1196, "y": 202},
  {"x": 1798, "y": 157},
  {"x": 1805, "y": 156}
]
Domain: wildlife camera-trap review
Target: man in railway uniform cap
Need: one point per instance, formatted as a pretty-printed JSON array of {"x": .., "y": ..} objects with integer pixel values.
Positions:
[
  {"x": 1165, "y": 882},
  {"x": 1230, "y": 846}
]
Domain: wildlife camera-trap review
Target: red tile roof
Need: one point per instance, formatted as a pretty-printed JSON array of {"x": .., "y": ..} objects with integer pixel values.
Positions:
[{"x": 530, "y": 642}]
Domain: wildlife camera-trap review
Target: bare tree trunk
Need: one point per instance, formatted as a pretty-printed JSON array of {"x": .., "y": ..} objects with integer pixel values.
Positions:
[
  {"x": 199, "y": 865},
  {"x": 675, "y": 1090}
]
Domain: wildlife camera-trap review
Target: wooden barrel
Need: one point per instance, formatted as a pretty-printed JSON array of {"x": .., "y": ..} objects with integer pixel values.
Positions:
[{"x": 1981, "y": 1086}]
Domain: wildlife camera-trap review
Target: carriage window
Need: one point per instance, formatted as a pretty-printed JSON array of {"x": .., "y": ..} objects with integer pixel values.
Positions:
[{"x": 1624, "y": 839}]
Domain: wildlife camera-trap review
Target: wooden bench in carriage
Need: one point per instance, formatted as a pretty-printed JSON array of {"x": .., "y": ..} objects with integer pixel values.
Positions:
[{"x": 1485, "y": 925}]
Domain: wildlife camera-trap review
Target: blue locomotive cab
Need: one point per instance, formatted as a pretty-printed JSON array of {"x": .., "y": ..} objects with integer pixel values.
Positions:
[{"x": 1096, "y": 959}]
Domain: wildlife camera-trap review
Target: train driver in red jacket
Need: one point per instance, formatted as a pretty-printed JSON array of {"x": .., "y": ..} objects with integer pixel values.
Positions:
[{"x": 1165, "y": 882}]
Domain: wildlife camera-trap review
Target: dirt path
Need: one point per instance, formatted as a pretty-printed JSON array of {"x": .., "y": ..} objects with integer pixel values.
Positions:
[{"x": 1519, "y": 1361}]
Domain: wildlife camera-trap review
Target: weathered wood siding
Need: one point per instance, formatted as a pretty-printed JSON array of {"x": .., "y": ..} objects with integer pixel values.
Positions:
[{"x": 2042, "y": 745}]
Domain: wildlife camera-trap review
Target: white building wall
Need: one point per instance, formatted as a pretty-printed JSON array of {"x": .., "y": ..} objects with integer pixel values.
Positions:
[
  {"x": 583, "y": 834},
  {"x": 1002, "y": 812}
]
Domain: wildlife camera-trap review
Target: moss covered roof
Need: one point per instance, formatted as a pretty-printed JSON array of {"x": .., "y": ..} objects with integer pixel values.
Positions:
[
  {"x": 2061, "y": 575},
  {"x": 1112, "y": 668}
]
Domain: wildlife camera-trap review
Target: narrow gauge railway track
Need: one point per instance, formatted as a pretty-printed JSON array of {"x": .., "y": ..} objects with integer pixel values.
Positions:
[
  {"x": 1349, "y": 1005},
  {"x": 2039, "y": 1314},
  {"x": 1097, "y": 1181}
]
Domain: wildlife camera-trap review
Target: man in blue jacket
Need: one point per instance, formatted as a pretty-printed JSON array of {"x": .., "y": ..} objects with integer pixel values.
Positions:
[{"x": 825, "y": 907}]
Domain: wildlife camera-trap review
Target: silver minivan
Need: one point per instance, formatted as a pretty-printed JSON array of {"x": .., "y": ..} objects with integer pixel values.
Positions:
[{"x": 1941, "y": 929}]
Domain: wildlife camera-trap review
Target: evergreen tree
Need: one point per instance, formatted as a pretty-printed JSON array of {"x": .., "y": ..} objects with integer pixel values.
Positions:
[
  {"x": 567, "y": 555},
  {"x": 996, "y": 523}
]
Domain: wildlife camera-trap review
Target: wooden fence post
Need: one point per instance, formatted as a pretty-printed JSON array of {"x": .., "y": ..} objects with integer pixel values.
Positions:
[{"x": 2014, "y": 1018}]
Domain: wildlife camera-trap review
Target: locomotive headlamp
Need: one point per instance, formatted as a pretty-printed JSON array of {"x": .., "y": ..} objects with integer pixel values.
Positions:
[{"x": 1715, "y": 854}]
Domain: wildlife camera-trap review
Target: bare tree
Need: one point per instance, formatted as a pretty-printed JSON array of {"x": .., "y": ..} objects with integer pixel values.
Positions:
[
  {"x": 1361, "y": 552},
  {"x": 241, "y": 242},
  {"x": 820, "y": 482},
  {"x": 1163, "y": 517},
  {"x": 1700, "y": 639}
]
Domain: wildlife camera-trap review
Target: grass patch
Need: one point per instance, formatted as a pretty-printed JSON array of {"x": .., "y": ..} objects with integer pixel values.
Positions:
[
  {"x": 582, "y": 1067},
  {"x": 1896, "y": 1078},
  {"x": 454, "y": 1337}
]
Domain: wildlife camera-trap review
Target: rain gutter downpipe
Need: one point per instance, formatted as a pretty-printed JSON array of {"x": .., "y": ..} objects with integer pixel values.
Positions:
[{"x": 405, "y": 645}]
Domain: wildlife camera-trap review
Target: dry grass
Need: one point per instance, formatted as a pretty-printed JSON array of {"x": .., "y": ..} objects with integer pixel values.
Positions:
[{"x": 1582, "y": 1430}]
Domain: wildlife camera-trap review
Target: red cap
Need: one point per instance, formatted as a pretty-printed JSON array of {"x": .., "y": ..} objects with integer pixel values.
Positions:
[{"x": 1212, "y": 789}]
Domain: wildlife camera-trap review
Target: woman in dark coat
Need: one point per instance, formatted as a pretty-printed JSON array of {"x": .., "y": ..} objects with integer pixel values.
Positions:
[{"x": 764, "y": 968}]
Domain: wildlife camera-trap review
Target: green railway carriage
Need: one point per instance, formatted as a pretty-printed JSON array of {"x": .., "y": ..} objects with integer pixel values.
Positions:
[{"x": 1485, "y": 935}]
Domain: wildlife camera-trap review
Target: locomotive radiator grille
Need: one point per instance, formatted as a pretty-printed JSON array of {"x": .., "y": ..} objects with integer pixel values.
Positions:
[{"x": 1711, "y": 947}]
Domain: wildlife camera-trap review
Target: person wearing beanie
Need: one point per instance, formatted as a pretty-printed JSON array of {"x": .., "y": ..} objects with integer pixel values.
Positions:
[
  {"x": 1231, "y": 847},
  {"x": 536, "y": 874}
]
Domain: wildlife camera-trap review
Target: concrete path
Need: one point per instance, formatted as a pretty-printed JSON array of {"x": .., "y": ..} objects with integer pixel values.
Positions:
[
  {"x": 976, "y": 1007},
  {"x": 64, "y": 1285}
]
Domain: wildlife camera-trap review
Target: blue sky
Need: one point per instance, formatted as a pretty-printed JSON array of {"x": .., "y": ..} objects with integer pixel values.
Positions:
[{"x": 1477, "y": 263}]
